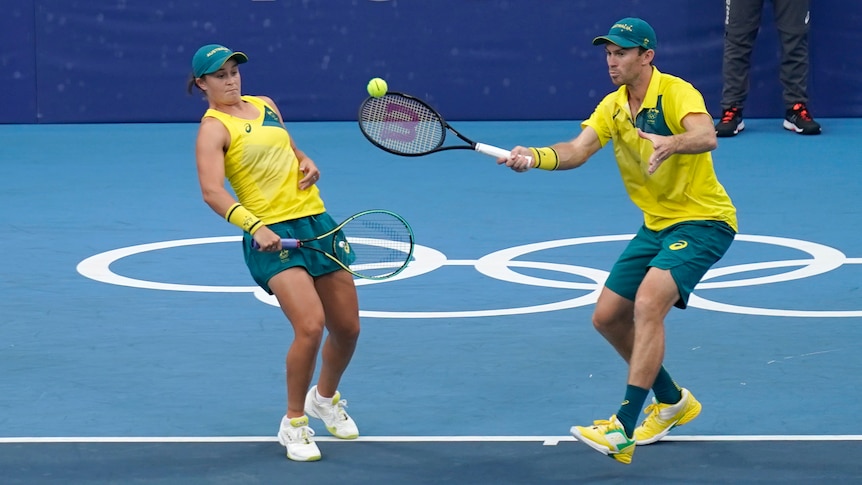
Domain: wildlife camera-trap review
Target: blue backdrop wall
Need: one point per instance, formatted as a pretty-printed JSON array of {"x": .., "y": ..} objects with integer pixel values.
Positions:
[{"x": 129, "y": 60}]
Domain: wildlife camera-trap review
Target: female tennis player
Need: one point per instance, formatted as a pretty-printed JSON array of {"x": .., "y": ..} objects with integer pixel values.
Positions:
[{"x": 244, "y": 139}]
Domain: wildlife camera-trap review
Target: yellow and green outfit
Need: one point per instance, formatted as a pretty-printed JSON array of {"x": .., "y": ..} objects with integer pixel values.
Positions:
[
  {"x": 263, "y": 171},
  {"x": 689, "y": 220}
]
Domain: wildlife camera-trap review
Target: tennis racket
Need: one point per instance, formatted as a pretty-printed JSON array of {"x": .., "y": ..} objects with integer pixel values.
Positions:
[
  {"x": 372, "y": 244},
  {"x": 405, "y": 125}
]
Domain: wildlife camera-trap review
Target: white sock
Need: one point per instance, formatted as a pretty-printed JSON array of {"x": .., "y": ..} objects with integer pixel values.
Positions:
[{"x": 320, "y": 399}]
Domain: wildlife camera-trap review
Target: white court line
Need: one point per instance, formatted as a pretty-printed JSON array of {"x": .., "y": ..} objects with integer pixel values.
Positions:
[{"x": 545, "y": 440}]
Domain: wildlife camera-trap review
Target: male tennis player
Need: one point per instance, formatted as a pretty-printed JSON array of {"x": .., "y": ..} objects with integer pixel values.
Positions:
[{"x": 662, "y": 136}]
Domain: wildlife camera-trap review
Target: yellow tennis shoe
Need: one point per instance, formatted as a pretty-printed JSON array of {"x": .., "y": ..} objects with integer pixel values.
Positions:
[
  {"x": 607, "y": 437},
  {"x": 664, "y": 417}
]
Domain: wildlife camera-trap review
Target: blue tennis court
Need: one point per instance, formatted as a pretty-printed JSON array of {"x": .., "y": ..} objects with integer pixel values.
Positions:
[{"x": 135, "y": 348}]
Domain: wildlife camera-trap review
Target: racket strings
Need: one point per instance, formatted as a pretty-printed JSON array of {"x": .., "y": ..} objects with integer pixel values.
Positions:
[
  {"x": 380, "y": 244},
  {"x": 401, "y": 124}
]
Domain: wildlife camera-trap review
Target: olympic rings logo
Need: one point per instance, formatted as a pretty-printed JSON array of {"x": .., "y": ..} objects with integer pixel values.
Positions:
[{"x": 499, "y": 265}]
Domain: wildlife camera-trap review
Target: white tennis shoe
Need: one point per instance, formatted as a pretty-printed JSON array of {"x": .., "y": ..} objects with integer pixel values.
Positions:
[
  {"x": 333, "y": 415},
  {"x": 295, "y": 435}
]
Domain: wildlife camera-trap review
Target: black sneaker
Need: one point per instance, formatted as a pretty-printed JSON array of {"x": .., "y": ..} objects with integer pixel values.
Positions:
[
  {"x": 730, "y": 123},
  {"x": 798, "y": 119}
]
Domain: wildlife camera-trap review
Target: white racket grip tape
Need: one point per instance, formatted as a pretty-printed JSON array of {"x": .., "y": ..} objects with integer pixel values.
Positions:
[
  {"x": 492, "y": 150},
  {"x": 497, "y": 152}
]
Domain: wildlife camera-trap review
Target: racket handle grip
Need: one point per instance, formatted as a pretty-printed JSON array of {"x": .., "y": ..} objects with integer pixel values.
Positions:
[
  {"x": 496, "y": 152},
  {"x": 492, "y": 150},
  {"x": 286, "y": 243}
]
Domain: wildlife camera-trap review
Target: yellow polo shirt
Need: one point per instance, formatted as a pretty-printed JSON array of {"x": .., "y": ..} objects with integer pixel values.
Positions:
[{"x": 684, "y": 187}]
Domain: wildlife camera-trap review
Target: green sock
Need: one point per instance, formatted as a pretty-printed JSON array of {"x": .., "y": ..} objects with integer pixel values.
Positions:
[
  {"x": 631, "y": 407},
  {"x": 665, "y": 389}
]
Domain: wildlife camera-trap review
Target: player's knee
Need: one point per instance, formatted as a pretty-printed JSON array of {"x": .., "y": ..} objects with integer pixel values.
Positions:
[
  {"x": 308, "y": 330},
  {"x": 346, "y": 332},
  {"x": 651, "y": 307},
  {"x": 604, "y": 321}
]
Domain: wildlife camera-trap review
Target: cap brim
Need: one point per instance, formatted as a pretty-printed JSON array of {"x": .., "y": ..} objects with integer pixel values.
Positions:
[
  {"x": 240, "y": 57},
  {"x": 616, "y": 40}
]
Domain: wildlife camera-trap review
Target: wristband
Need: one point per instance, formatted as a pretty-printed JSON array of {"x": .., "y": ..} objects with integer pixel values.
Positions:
[
  {"x": 240, "y": 216},
  {"x": 546, "y": 158}
]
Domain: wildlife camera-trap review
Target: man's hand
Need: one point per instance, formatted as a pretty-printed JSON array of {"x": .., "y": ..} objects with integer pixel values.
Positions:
[{"x": 663, "y": 147}]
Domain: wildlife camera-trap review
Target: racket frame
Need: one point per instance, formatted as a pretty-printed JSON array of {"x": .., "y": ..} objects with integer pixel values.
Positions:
[
  {"x": 471, "y": 145},
  {"x": 291, "y": 243}
]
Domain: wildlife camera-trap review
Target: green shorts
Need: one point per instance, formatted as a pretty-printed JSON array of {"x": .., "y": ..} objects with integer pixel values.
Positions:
[
  {"x": 687, "y": 249},
  {"x": 265, "y": 265}
]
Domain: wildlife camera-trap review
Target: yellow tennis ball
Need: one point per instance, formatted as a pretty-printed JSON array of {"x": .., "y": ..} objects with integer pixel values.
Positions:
[{"x": 377, "y": 87}]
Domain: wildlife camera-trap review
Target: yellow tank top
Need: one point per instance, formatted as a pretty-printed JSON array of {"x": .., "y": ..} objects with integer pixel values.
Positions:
[{"x": 262, "y": 168}]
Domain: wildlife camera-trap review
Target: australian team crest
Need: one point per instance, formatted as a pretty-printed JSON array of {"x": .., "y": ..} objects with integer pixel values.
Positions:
[
  {"x": 270, "y": 118},
  {"x": 651, "y": 120}
]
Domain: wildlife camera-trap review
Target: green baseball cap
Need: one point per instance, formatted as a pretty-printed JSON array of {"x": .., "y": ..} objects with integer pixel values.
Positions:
[
  {"x": 211, "y": 57},
  {"x": 629, "y": 32}
]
